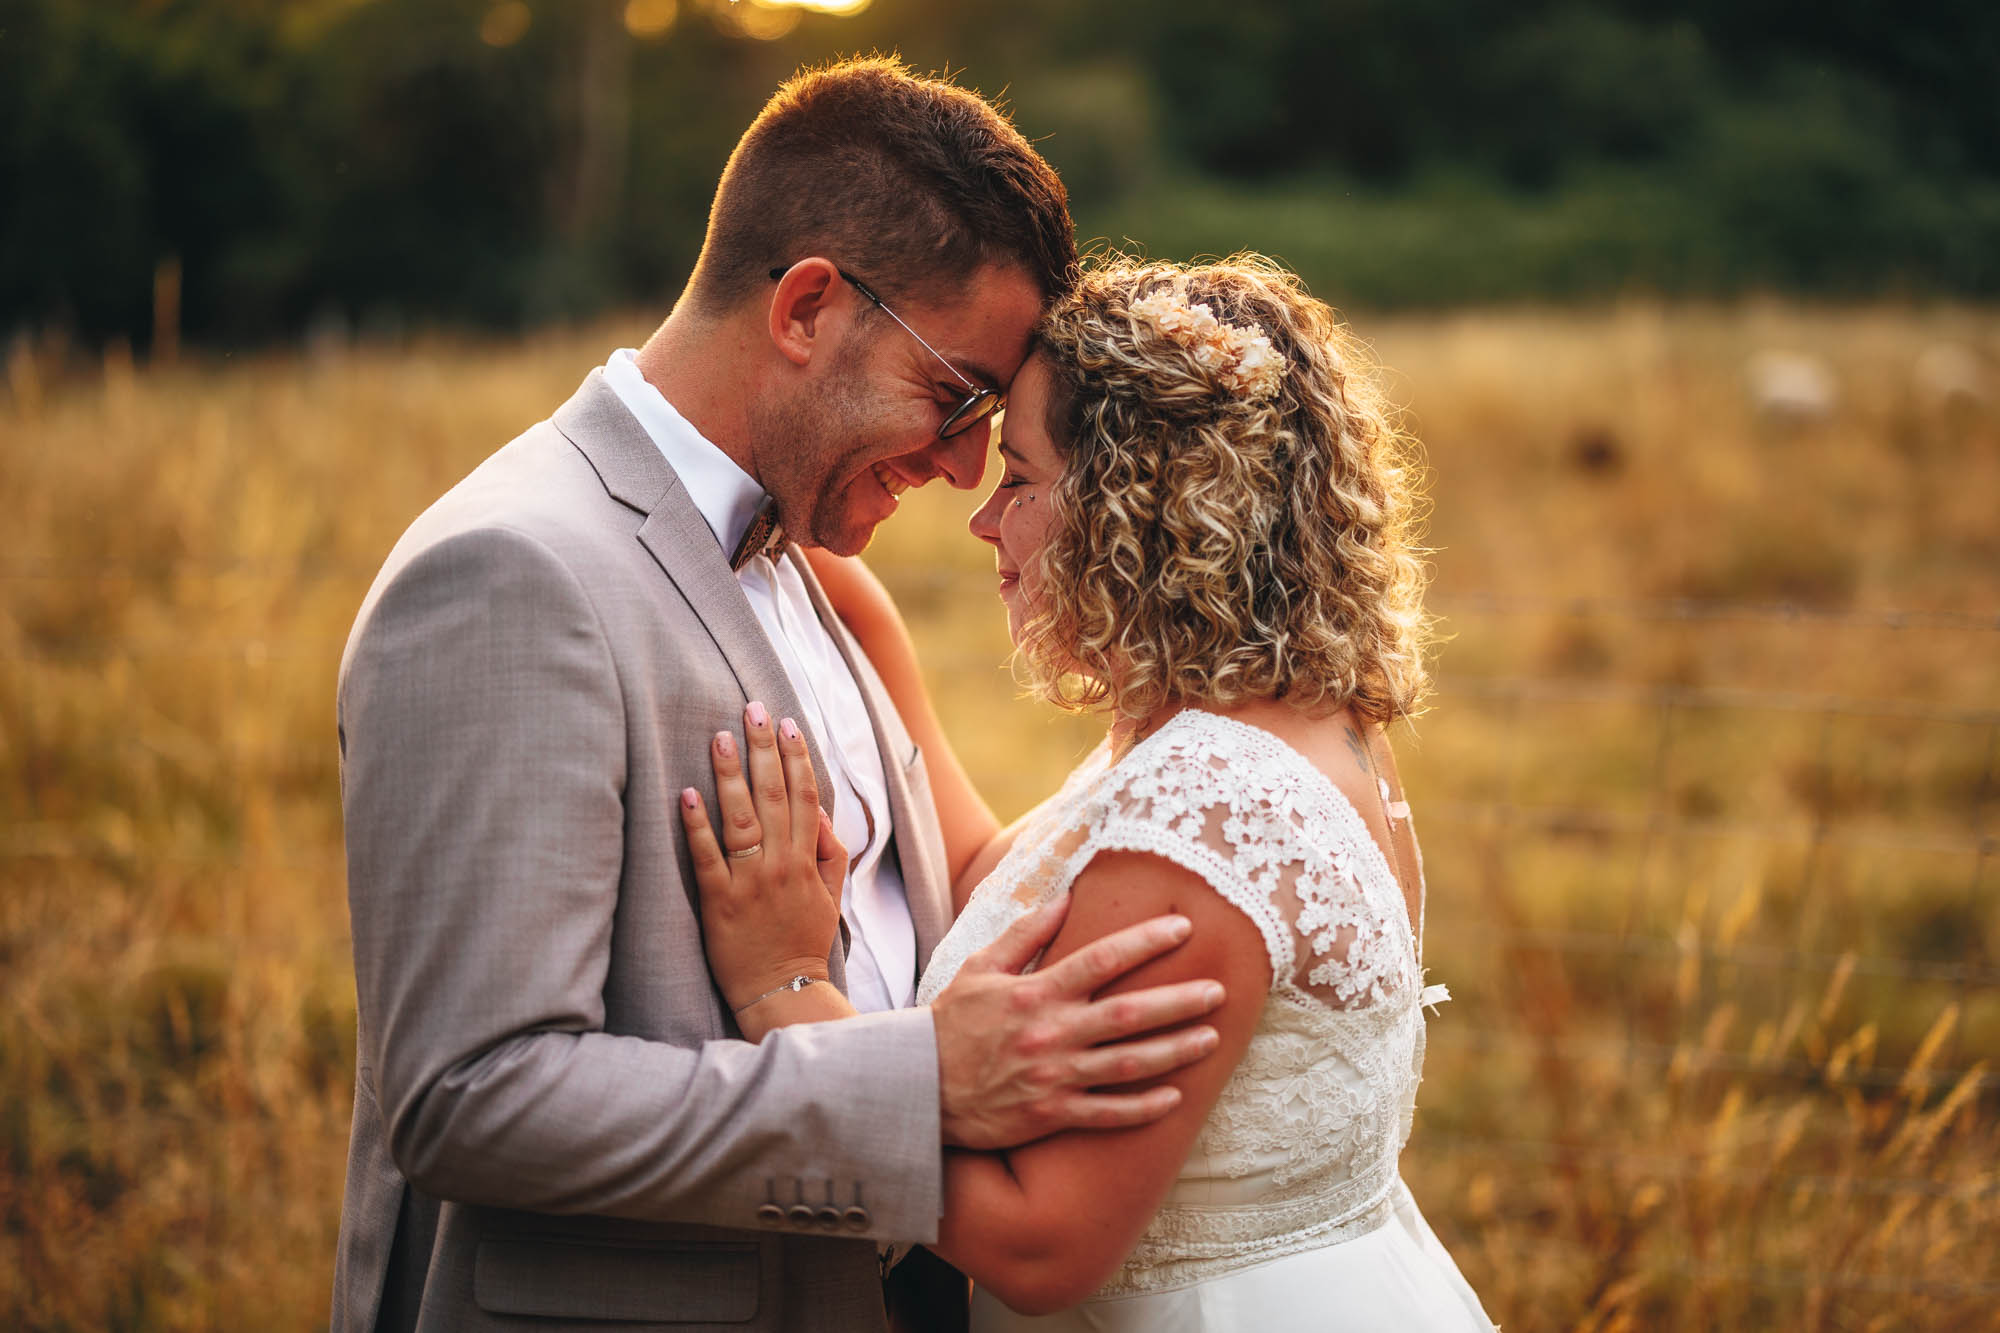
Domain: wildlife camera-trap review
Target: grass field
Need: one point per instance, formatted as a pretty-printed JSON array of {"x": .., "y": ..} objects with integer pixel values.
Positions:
[{"x": 1710, "y": 833}]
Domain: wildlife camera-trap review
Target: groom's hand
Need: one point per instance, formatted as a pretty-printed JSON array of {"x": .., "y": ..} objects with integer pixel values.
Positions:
[{"x": 1018, "y": 1056}]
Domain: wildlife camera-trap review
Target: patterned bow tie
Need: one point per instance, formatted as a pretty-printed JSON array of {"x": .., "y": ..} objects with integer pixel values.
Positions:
[{"x": 764, "y": 535}]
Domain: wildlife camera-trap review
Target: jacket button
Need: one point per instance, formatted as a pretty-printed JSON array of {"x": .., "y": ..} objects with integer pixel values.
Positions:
[
  {"x": 770, "y": 1214},
  {"x": 800, "y": 1214},
  {"x": 857, "y": 1218}
]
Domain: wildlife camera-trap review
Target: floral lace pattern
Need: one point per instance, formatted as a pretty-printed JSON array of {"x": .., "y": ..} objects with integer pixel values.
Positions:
[{"x": 1302, "y": 1145}]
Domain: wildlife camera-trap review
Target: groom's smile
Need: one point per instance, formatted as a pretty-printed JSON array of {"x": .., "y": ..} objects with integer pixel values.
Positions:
[{"x": 892, "y": 483}]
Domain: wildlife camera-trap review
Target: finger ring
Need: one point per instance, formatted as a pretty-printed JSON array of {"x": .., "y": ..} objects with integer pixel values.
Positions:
[{"x": 751, "y": 850}]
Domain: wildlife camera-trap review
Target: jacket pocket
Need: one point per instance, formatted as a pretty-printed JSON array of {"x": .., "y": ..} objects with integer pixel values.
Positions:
[{"x": 558, "y": 1279}]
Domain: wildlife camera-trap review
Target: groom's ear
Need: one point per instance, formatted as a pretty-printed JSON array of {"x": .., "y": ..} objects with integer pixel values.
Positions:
[{"x": 807, "y": 292}]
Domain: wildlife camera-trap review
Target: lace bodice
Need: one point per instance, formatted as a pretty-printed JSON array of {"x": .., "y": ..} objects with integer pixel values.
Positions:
[{"x": 1301, "y": 1148}]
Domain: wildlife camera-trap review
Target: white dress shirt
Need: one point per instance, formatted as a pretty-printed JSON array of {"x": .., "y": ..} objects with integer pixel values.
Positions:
[{"x": 882, "y": 945}]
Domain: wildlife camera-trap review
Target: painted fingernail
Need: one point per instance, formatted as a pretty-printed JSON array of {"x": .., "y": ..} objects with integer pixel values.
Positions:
[
  {"x": 1180, "y": 927},
  {"x": 1213, "y": 993},
  {"x": 1207, "y": 1039},
  {"x": 725, "y": 745},
  {"x": 756, "y": 714},
  {"x": 788, "y": 729},
  {"x": 690, "y": 798}
]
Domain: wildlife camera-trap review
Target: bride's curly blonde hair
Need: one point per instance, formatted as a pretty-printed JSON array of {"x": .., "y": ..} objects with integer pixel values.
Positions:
[{"x": 1216, "y": 537}]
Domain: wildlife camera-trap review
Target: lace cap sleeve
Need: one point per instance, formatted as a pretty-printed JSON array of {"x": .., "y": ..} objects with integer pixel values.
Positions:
[{"x": 1269, "y": 833}]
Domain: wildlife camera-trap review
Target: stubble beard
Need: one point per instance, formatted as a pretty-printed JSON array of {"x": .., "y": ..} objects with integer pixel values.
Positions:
[{"x": 808, "y": 458}]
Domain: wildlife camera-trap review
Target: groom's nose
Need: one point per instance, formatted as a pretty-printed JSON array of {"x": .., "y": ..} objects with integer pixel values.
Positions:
[{"x": 961, "y": 460}]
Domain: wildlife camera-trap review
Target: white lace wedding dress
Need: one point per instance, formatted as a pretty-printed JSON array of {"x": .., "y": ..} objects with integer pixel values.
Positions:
[{"x": 1290, "y": 1212}]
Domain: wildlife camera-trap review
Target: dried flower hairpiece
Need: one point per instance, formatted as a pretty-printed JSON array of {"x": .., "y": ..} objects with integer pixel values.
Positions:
[{"x": 1242, "y": 359}]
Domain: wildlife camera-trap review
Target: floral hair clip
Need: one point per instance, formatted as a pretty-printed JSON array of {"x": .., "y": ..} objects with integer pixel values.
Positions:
[{"x": 1242, "y": 359}]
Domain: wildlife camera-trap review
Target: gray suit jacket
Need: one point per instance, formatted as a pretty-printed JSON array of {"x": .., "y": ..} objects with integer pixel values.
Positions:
[{"x": 554, "y": 1115}]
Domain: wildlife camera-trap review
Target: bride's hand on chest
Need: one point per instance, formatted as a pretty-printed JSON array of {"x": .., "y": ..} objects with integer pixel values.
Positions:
[{"x": 769, "y": 878}]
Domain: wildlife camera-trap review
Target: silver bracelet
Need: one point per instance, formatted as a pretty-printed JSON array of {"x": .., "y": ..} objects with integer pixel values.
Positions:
[{"x": 797, "y": 983}]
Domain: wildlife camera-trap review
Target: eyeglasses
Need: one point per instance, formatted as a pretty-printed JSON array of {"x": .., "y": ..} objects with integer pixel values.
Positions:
[{"x": 979, "y": 401}]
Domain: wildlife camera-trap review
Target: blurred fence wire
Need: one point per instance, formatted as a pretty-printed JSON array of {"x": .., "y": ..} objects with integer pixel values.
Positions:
[{"x": 936, "y": 581}]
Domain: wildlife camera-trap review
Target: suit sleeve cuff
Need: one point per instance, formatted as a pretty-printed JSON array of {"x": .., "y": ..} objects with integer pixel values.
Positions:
[{"x": 886, "y": 1124}]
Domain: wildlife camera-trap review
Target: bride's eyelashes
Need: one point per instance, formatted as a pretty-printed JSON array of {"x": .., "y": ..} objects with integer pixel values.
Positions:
[{"x": 1010, "y": 481}]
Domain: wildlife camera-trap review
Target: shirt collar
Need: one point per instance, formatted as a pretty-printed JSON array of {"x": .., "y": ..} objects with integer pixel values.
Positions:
[{"x": 726, "y": 495}]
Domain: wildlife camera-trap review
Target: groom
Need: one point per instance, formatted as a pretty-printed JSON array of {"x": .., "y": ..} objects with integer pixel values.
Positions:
[{"x": 554, "y": 1117}]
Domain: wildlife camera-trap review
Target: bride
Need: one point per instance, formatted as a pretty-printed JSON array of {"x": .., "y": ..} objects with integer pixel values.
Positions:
[{"x": 1203, "y": 531}]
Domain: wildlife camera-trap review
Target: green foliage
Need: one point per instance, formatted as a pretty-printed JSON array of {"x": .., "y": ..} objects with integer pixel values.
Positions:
[
  {"x": 123, "y": 144},
  {"x": 366, "y": 162}
]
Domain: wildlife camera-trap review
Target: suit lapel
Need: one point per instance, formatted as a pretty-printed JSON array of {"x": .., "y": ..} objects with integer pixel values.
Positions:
[
  {"x": 682, "y": 544},
  {"x": 923, "y": 878}
]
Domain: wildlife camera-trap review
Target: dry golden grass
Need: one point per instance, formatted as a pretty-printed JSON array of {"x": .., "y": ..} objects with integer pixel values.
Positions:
[{"x": 1724, "y": 953}]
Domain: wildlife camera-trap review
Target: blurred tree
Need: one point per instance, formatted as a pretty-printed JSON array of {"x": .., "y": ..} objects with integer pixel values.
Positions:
[
  {"x": 1935, "y": 58},
  {"x": 507, "y": 161},
  {"x": 124, "y": 145},
  {"x": 1584, "y": 84},
  {"x": 431, "y": 153}
]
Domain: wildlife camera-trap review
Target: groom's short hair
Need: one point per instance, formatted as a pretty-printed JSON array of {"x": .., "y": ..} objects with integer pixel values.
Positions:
[{"x": 912, "y": 184}]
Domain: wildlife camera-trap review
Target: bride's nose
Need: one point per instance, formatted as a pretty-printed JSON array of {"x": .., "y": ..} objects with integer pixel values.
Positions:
[{"x": 985, "y": 523}]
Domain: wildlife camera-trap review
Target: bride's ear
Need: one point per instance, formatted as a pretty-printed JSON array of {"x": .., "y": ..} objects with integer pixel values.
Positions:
[{"x": 797, "y": 313}]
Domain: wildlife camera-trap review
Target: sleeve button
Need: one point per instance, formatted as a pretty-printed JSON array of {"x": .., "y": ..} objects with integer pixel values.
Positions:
[
  {"x": 857, "y": 1218},
  {"x": 800, "y": 1214},
  {"x": 770, "y": 1214},
  {"x": 828, "y": 1218}
]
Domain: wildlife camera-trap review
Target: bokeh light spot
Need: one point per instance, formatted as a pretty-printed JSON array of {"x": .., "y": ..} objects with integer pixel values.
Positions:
[
  {"x": 650, "y": 18},
  {"x": 760, "y": 19},
  {"x": 505, "y": 24}
]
